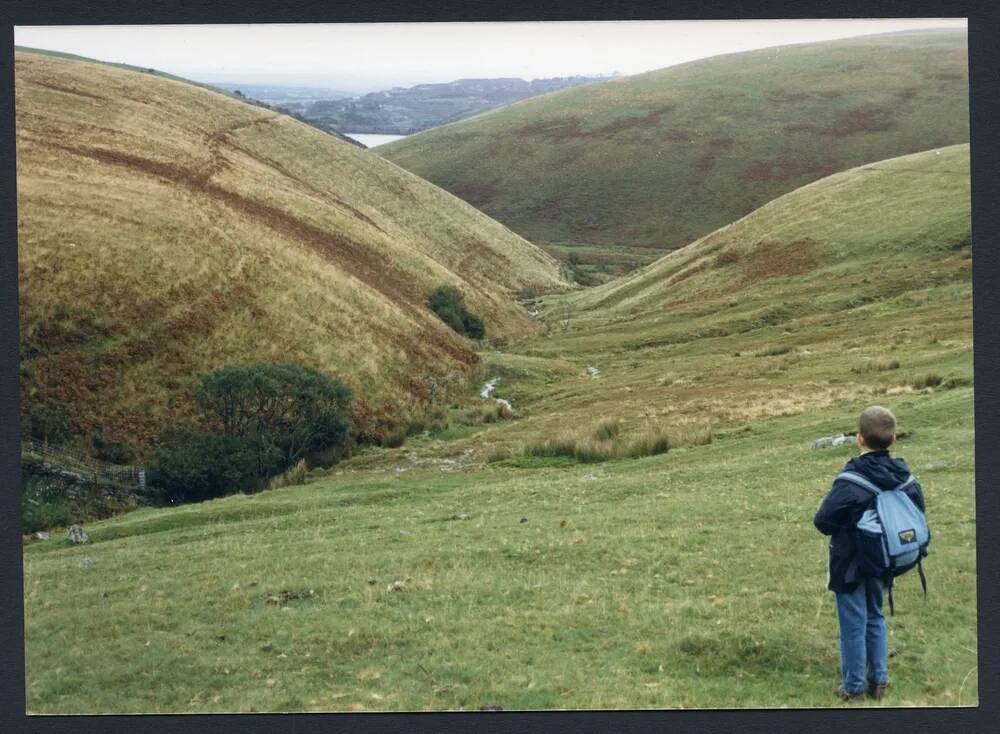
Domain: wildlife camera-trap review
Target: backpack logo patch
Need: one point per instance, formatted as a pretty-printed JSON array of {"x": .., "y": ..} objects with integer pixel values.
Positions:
[{"x": 907, "y": 536}]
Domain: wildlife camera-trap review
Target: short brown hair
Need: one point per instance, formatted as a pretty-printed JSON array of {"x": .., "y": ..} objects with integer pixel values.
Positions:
[{"x": 877, "y": 427}]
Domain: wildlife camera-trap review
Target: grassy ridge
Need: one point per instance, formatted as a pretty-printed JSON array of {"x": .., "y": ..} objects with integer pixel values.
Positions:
[
  {"x": 165, "y": 230},
  {"x": 623, "y": 171},
  {"x": 423, "y": 579}
]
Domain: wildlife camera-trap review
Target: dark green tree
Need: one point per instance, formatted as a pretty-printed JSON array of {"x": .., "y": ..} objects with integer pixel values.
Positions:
[
  {"x": 449, "y": 304},
  {"x": 192, "y": 464},
  {"x": 285, "y": 410}
]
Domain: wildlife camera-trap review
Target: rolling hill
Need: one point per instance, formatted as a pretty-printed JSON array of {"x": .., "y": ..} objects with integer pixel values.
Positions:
[
  {"x": 854, "y": 288},
  {"x": 165, "y": 230},
  {"x": 620, "y": 172},
  {"x": 422, "y": 579}
]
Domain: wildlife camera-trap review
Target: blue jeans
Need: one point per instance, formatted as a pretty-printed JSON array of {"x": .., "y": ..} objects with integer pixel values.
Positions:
[{"x": 863, "y": 644}]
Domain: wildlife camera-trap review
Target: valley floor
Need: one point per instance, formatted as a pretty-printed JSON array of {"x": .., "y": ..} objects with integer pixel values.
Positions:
[{"x": 691, "y": 579}]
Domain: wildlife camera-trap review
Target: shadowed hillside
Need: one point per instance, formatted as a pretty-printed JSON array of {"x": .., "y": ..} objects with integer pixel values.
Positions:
[
  {"x": 617, "y": 173},
  {"x": 165, "y": 230}
]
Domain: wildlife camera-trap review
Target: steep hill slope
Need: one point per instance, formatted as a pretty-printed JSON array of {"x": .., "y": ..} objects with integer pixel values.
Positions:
[
  {"x": 625, "y": 170},
  {"x": 165, "y": 230}
]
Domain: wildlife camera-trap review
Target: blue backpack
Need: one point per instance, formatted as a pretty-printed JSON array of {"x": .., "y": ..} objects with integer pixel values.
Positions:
[{"x": 892, "y": 535}]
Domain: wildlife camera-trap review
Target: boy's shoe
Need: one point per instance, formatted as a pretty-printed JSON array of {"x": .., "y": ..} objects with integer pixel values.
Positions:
[
  {"x": 877, "y": 690},
  {"x": 846, "y": 696}
]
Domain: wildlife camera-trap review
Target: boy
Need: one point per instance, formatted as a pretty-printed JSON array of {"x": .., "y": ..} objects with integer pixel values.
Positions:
[{"x": 863, "y": 644}]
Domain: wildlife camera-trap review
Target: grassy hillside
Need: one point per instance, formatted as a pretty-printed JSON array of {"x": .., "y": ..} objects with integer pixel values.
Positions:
[
  {"x": 429, "y": 578},
  {"x": 165, "y": 230},
  {"x": 621, "y": 172},
  {"x": 688, "y": 580},
  {"x": 804, "y": 304}
]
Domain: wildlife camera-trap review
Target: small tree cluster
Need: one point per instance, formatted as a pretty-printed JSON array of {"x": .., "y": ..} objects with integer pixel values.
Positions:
[
  {"x": 449, "y": 304},
  {"x": 257, "y": 420}
]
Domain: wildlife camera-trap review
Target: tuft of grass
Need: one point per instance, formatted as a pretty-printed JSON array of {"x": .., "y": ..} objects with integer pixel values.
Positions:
[
  {"x": 490, "y": 412},
  {"x": 495, "y": 454},
  {"x": 773, "y": 350},
  {"x": 878, "y": 364},
  {"x": 691, "y": 436},
  {"x": 930, "y": 379},
  {"x": 606, "y": 430},
  {"x": 603, "y": 442},
  {"x": 291, "y": 477}
]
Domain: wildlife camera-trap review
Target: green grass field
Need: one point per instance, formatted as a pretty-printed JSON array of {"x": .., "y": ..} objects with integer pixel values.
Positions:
[
  {"x": 623, "y": 171},
  {"x": 457, "y": 571},
  {"x": 429, "y": 591}
]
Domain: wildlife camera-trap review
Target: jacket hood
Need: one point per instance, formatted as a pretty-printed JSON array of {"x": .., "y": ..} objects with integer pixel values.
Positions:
[{"x": 881, "y": 469}]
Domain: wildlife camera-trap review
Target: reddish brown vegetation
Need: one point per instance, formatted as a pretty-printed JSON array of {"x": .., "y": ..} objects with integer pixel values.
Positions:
[
  {"x": 474, "y": 193},
  {"x": 569, "y": 128},
  {"x": 853, "y": 122},
  {"x": 771, "y": 260}
]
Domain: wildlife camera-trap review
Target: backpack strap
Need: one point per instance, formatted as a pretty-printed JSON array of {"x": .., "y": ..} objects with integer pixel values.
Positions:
[
  {"x": 859, "y": 481},
  {"x": 923, "y": 579}
]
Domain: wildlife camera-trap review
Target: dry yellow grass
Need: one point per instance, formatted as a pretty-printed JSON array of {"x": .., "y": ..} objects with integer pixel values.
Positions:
[{"x": 165, "y": 230}]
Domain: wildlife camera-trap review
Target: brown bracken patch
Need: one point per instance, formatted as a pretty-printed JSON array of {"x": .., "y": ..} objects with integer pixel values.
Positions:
[
  {"x": 553, "y": 129},
  {"x": 473, "y": 193},
  {"x": 853, "y": 122},
  {"x": 627, "y": 124},
  {"x": 773, "y": 259}
]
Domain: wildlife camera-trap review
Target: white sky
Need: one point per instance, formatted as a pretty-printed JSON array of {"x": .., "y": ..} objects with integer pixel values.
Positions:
[{"x": 371, "y": 56}]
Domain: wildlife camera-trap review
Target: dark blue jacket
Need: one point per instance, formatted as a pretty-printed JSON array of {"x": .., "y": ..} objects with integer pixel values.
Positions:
[{"x": 844, "y": 504}]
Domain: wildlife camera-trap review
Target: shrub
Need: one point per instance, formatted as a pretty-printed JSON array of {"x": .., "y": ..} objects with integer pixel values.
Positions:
[
  {"x": 449, "y": 304},
  {"x": 395, "y": 438},
  {"x": 37, "y": 516},
  {"x": 285, "y": 410},
  {"x": 371, "y": 423},
  {"x": 48, "y": 424},
  {"x": 113, "y": 452},
  {"x": 191, "y": 464}
]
